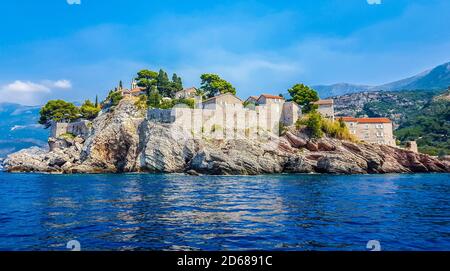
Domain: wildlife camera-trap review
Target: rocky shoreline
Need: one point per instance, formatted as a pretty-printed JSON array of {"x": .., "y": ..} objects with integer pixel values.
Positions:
[{"x": 122, "y": 140}]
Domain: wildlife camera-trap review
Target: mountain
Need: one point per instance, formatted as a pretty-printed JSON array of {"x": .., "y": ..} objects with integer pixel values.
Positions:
[
  {"x": 436, "y": 78},
  {"x": 423, "y": 116},
  {"x": 19, "y": 128}
]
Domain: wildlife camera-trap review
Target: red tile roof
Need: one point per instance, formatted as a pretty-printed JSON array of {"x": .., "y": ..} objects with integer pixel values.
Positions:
[
  {"x": 269, "y": 96},
  {"x": 138, "y": 89},
  {"x": 365, "y": 120},
  {"x": 324, "y": 102}
]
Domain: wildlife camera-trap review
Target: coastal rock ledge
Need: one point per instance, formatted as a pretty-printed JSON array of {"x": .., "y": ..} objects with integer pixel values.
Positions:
[{"x": 122, "y": 140}]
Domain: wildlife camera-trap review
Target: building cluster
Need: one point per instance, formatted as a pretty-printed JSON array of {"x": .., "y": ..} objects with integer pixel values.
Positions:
[
  {"x": 227, "y": 116},
  {"x": 267, "y": 112}
]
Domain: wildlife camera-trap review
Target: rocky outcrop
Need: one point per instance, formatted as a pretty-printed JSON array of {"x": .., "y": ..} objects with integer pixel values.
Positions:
[{"x": 122, "y": 140}]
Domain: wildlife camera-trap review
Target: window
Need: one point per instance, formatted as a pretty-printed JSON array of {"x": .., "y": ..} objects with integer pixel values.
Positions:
[
  {"x": 353, "y": 131},
  {"x": 366, "y": 126},
  {"x": 379, "y": 126}
]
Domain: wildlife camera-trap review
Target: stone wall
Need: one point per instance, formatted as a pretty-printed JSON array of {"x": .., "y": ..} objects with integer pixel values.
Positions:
[
  {"x": 225, "y": 121},
  {"x": 80, "y": 128}
]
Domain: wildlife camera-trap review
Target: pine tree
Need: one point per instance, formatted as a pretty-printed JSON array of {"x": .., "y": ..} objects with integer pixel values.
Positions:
[
  {"x": 96, "y": 101},
  {"x": 177, "y": 81},
  {"x": 120, "y": 84}
]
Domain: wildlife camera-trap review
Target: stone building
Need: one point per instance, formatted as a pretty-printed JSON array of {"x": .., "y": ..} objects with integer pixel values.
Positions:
[
  {"x": 371, "y": 130},
  {"x": 224, "y": 116},
  {"x": 80, "y": 128},
  {"x": 186, "y": 93},
  {"x": 135, "y": 90},
  {"x": 251, "y": 100},
  {"x": 326, "y": 108},
  {"x": 223, "y": 100}
]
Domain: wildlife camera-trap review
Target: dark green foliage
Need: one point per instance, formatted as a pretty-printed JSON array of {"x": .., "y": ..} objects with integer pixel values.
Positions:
[
  {"x": 312, "y": 121},
  {"x": 96, "y": 101},
  {"x": 113, "y": 98},
  {"x": 89, "y": 111},
  {"x": 177, "y": 81},
  {"x": 58, "y": 111},
  {"x": 213, "y": 85},
  {"x": 147, "y": 79},
  {"x": 154, "y": 99},
  {"x": 430, "y": 126},
  {"x": 168, "y": 104},
  {"x": 159, "y": 81},
  {"x": 304, "y": 96}
]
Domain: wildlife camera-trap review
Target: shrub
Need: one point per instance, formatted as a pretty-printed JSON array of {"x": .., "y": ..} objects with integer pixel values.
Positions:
[
  {"x": 318, "y": 126},
  {"x": 142, "y": 102},
  {"x": 89, "y": 111},
  {"x": 67, "y": 136}
]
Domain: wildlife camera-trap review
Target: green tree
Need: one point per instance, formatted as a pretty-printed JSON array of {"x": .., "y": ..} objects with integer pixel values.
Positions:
[
  {"x": 96, "y": 101},
  {"x": 58, "y": 111},
  {"x": 177, "y": 81},
  {"x": 120, "y": 84},
  {"x": 89, "y": 111},
  {"x": 165, "y": 87},
  {"x": 212, "y": 85},
  {"x": 147, "y": 79},
  {"x": 314, "y": 124},
  {"x": 304, "y": 96},
  {"x": 114, "y": 98},
  {"x": 154, "y": 99}
]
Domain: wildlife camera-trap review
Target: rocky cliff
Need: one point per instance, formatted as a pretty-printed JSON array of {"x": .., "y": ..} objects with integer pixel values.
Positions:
[{"x": 123, "y": 141}]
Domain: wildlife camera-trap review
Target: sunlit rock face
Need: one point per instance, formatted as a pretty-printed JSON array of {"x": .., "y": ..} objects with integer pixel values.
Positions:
[{"x": 123, "y": 140}]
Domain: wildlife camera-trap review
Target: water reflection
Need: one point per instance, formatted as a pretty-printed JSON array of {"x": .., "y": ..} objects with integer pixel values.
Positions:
[{"x": 175, "y": 212}]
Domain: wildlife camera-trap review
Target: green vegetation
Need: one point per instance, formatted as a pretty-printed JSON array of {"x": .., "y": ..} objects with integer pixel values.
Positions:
[
  {"x": 58, "y": 111},
  {"x": 154, "y": 99},
  {"x": 397, "y": 105},
  {"x": 212, "y": 85},
  {"x": 304, "y": 96},
  {"x": 67, "y": 136},
  {"x": 147, "y": 79},
  {"x": 89, "y": 111},
  {"x": 113, "y": 98},
  {"x": 318, "y": 126},
  {"x": 167, "y": 88},
  {"x": 141, "y": 103},
  {"x": 430, "y": 127},
  {"x": 313, "y": 121},
  {"x": 216, "y": 127}
]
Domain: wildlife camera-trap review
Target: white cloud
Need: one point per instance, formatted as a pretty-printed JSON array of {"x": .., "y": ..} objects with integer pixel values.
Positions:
[
  {"x": 30, "y": 93},
  {"x": 60, "y": 84},
  {"x": 374, "y": 2},
  {"x": 21, "y": 86}
]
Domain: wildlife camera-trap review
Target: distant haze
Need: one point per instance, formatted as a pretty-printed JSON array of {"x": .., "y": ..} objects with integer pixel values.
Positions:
[{"x": 436, "y": 78}]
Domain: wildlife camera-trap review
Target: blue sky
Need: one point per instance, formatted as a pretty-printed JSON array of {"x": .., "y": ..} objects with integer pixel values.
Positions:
[{"x": 50, "y": 49}]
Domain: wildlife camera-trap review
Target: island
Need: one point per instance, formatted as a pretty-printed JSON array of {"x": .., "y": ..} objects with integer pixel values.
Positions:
[{"x": 156, "y": 126}]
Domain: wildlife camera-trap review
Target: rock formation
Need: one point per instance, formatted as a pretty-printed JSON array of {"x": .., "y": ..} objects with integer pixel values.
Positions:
[{"x": 122, "y": 140}]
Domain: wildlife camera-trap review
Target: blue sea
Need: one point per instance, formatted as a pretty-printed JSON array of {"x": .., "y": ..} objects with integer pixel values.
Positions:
[{"x": 176, "y": 212}]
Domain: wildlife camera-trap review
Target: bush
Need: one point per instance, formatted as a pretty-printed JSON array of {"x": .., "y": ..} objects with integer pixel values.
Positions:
[
  {"x": 89, "y": 111},
  {"x": 168, "y": 104},
  {"x": 313, "y": 122},
  {"x": 114, "y": 98},
  {"x": 318, "y": 126},
  {"x": 142, "y": 102}
]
